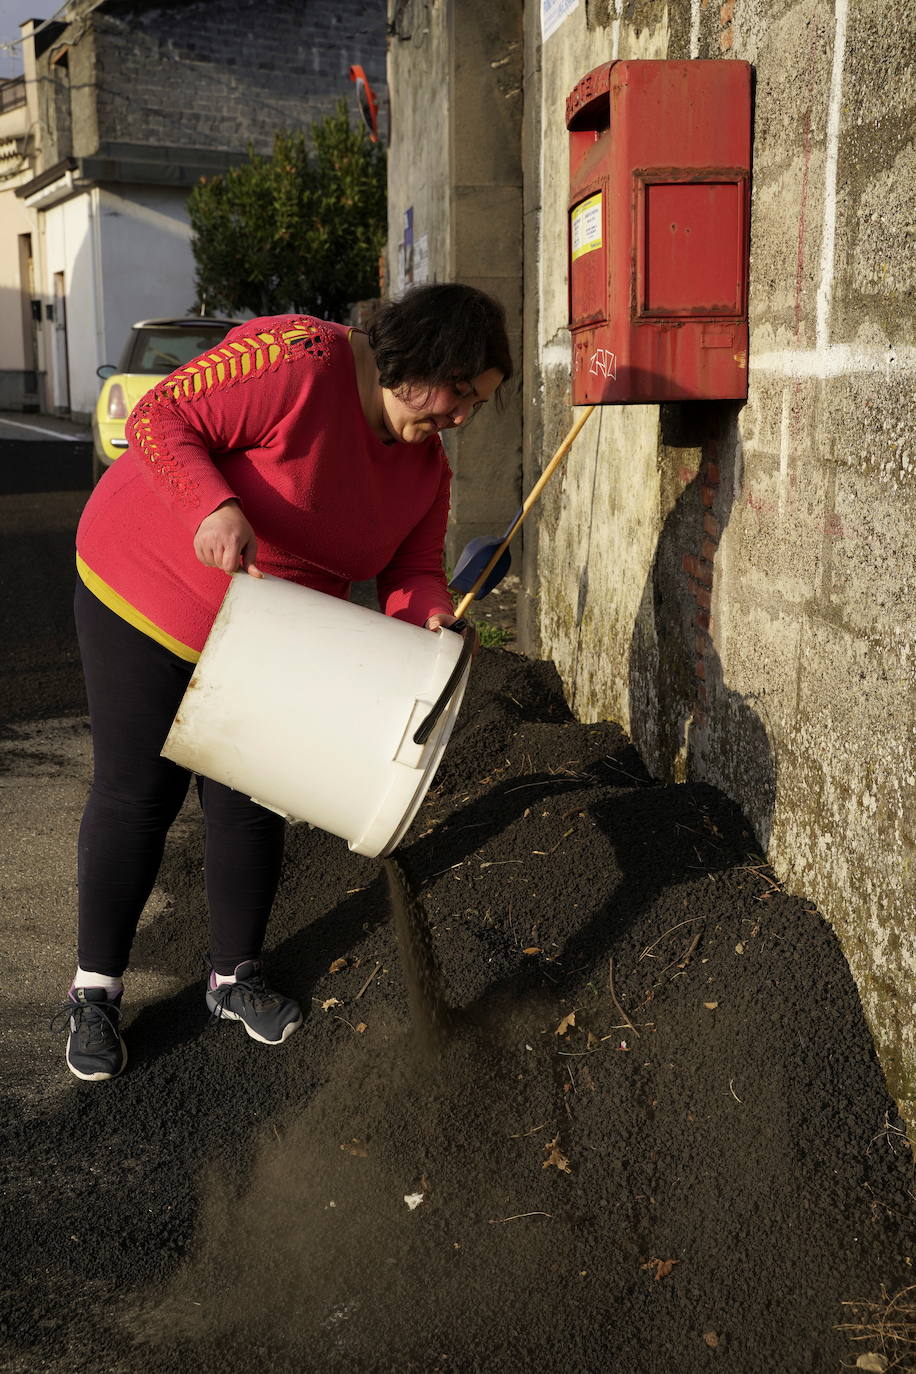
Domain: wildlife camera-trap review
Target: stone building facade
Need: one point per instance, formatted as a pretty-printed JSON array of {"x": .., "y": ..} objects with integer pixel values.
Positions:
[
  {"x": 129, "y": 79},
  {"x": 734, "y": 582},
  {"x": 130, "y": 104}
]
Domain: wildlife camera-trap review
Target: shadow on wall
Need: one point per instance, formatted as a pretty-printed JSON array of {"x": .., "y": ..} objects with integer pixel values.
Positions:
[{"x": 687, "y": 723}]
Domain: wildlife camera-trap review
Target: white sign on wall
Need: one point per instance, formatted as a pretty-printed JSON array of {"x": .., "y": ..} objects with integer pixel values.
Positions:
[
  {"x": 421, "y": 260},
  {"x": 553, "y": 12}
]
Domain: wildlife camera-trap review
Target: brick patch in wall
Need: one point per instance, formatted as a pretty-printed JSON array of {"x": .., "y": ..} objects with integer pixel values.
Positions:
[
  {"x": 698, "y": 567},
  {"x": 726, "y": 32}
]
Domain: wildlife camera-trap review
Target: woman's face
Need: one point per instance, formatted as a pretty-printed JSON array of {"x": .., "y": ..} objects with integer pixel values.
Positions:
[{"x": 416, "y": 411}]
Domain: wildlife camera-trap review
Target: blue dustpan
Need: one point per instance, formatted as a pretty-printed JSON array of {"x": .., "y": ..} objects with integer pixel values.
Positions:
[
  {"x": 477, "y": 555},
  {"x": 474, "y": 558}
]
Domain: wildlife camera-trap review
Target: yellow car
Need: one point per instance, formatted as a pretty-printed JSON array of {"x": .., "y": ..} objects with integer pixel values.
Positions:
[{"x": 154, "y": 349}]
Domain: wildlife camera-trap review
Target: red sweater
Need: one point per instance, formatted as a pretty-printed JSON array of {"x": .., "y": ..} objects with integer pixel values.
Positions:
[{"x": 272, "y": 416}]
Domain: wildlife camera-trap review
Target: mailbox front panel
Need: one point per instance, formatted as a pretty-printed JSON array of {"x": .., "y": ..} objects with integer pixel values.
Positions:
[{"x": 689, "y": 258}]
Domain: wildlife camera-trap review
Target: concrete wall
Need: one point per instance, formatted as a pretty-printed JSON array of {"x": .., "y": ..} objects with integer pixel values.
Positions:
[
  {"x": 419, "y": 183},
  {"x": 455, "y": 187},
  {"x": 736, "y": 583}
]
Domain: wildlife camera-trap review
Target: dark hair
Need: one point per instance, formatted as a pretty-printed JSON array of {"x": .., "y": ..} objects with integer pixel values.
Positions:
[{"x": 439, "y": 334}]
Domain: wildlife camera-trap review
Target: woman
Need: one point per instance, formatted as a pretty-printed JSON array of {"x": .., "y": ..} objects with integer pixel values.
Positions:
[{"x": 299, "y": 448}]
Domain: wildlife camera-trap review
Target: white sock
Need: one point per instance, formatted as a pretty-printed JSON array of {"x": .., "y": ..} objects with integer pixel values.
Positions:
[
  {"x": 83, "y": 978},
  {"x": 223, "y": 979}
]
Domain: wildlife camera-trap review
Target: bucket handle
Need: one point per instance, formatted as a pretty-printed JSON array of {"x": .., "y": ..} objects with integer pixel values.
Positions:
[{"x": 426, "y": 726}]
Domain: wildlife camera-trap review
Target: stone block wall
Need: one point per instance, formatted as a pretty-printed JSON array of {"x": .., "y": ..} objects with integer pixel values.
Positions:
[
  {"x": 744, "y": 599},
  {"x": 209, "y": 74},
  {"x": 736, "y": 583}
]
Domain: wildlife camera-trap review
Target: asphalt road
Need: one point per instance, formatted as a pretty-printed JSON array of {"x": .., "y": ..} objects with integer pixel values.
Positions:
[
  {"x": 44, "y": 746},
  {"x": 18, "y": 428}
]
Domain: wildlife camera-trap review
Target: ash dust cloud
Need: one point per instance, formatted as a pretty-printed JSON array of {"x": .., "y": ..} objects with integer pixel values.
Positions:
[{"x": 367, "y": 1222}]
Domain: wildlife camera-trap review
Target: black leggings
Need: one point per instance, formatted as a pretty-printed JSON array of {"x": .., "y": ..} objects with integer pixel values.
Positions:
[{"x": 134, "y": 686}]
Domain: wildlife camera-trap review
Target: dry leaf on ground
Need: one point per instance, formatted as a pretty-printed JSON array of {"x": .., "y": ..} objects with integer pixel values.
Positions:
[
  {"x": 355, "y": 1147},
  {"x": 565, "y": 1024},
  {"x": 555, "y": 1156},
  {"x": 711, "y": 1339},
  {"x": 662, "y": 1267},
  {"x": 532, "y": 949},
  {"x": 330, "y": 1002},
  {"x": 337, "y": 965}
]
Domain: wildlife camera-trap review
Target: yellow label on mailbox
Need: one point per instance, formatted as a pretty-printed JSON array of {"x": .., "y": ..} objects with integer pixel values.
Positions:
[{"x": 586, "y": 226}]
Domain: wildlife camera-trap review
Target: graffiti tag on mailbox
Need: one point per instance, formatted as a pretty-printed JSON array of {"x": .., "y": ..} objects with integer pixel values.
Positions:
[{"x": 604, "y": 363}]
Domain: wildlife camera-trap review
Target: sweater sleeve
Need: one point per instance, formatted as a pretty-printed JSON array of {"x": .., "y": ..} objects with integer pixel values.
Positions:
[
  {"x": 229, "y": 398},
  {"x": 413, "y": 587}
]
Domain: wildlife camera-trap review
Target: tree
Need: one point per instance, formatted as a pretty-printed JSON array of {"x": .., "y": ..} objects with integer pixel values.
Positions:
[{"x": 300, "y": 230}]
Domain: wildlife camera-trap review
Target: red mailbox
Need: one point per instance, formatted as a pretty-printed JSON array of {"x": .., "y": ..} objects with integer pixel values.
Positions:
[{"x": 659, "y": 220}]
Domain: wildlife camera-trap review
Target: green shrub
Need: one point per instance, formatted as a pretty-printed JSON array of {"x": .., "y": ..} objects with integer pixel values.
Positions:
[{"x": 301, "y": 230}]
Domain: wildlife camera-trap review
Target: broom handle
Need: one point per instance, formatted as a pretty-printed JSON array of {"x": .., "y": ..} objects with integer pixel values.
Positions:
[{"x": 533, "y": 495}]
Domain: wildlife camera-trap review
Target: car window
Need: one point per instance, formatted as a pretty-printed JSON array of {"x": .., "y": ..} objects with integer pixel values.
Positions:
[{"x": 162, "y": 350}]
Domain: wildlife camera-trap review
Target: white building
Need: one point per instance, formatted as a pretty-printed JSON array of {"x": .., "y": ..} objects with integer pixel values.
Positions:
[
  {"x": 124, "y": 113},
  {"x": 20, "y": 361}
]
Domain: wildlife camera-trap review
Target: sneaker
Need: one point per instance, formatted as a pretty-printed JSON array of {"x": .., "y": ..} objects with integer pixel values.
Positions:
[
  {"x": 95, "y": 1050},
  {"x": 267, "y": 1016}
]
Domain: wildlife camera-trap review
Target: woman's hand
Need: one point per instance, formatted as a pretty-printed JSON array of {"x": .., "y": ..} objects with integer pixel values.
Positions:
[
  {"x": 226, "y": 540},
  {"x": 438, "y": 621}
]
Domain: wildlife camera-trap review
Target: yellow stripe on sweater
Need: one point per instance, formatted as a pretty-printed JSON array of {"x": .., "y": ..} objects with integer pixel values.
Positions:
[{"x": 115, "y": 602}]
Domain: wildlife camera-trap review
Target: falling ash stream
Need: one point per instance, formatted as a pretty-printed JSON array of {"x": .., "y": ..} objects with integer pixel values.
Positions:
[{"x": 431, "y": 1016}]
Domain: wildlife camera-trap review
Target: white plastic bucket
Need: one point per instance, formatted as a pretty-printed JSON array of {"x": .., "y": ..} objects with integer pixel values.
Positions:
[{"x": 311, "y": 704}]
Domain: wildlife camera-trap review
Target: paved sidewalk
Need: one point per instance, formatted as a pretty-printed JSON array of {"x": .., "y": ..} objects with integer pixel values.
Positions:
[
  {"x": 43, "y": 454},
  {"x": 18, "y": 426},
  {"x": 45, "y": 769}
]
